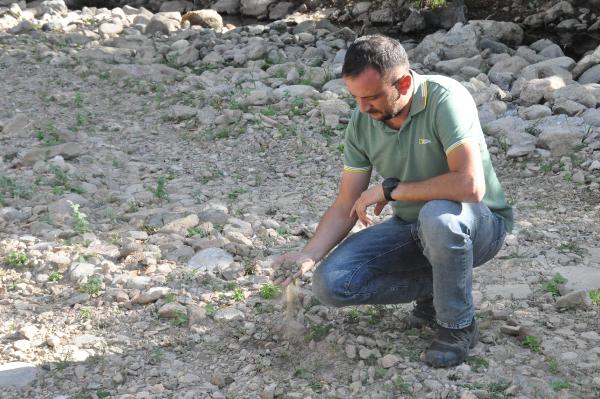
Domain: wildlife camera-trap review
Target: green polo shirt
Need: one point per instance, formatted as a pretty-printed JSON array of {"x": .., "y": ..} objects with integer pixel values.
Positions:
[{"x": 442, "y": 116}]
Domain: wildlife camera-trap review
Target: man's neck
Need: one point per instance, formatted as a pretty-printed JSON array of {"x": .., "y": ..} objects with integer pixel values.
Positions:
[{"x": 397, "y": 121}]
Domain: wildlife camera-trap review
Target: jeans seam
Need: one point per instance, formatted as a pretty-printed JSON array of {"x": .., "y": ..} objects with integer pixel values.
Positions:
[{"x": 359, "y": 267}]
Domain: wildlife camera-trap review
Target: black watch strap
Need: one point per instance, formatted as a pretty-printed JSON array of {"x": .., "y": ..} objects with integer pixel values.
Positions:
[{"x": 389, "y": 185}]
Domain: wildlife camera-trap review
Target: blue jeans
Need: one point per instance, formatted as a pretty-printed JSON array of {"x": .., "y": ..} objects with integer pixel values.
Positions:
[{"x": 398, "y": 262}]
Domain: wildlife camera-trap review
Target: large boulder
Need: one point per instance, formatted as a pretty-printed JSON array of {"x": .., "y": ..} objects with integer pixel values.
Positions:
[
  {"x": 205, "y": 18},
  {"x": 255, "y": 8},
  {"x": 505, "y": 32},
  {"x": 227, "y": 6},
  {"x": 560, "y": 134},
  {"x": 460, "y": 41}
]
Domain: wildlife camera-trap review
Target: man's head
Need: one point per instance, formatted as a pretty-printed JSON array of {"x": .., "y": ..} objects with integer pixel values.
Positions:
[{"x": 376, "y": 71}]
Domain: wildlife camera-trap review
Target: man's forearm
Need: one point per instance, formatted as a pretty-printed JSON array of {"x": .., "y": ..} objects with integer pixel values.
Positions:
[
  {"x": 453, "y": 186},
  {"x": 333, "y": 227}
]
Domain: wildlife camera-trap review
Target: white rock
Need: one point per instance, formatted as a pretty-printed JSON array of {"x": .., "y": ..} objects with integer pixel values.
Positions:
[
  {"x": 229, "y": 314},
  {"x": 17, "y": 374},
  {"x": 151, "y": 295},
  {"x": 389, "y": 360},
  {"x": 508, "y": 291},
  {"x": 211, "y": 260}
]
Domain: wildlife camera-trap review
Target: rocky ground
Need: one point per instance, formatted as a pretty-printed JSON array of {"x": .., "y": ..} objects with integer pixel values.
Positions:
[{"x": 151, "y": 170}]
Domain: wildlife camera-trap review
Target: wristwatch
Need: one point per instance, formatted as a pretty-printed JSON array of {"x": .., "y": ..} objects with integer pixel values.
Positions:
[{"x": 389, "y": 185}]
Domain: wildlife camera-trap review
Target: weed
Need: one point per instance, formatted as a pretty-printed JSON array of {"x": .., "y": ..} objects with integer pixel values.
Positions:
[
  {"x": 534, "y": 130},
  {"x": 233, "y": 195},
  {"x": 552, "y": 365},
  {"x": 16, "y": 259},
  {"x": 412, "y": 355},
  {"x": 380, "y": 373},
  {"x": 282, "y": 231},
  {"x": 156, "y": 355},
  {"x": 340, "y": 148},
  {"x": 9, "y": 187},
  {"x": 568, "y": 177},
  {"x": 595, "y": 297},
  {"x": 477, "y": 363},
  {"x": 55, "y": 277},
  {"x": 79, "y": 119},
  {"x": 353, "y": 315},
  {"x": 402, "y": 387},
  {"x": 103, "y": 394},
  {"x": 197, "y": 232},
  {"x": 104, "y": 75},
  {"x": 92, "y": 286},
  {"x": 532, "y": 342},
  {"x": 238, "y": 294},
  {"x": 546, "y": 167},
  {"x": 78, "y": 101},
  {"x": 318, "y": 332},
  {"x": 263, "y": 309},
  {"x": 210, "y": 309},
  {"x": 170, "y": 297},
  {"x": 85, "y": 313},
  {"x": 267, "y": 111},
  {"x": 49, "y": 135},
  {"x": 269, "y": 291},
  {"x": 80, "y": 222},
  {"x": 181, "y": 319},
  {"x": 160, "y": 191},
  {"x": 560, "y": 385},
  {"x": 62, "y": 181},
  {"x": 430, "y": 3},
  {"x": 551, "y": 286},
  {"x": 571, "y": 247},
  {"x": 316, "y": 386}
]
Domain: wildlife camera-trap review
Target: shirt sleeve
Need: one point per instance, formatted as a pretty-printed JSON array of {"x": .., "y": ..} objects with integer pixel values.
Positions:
[
  {"x": 355, "y": 158},
  {"x": 457, "y": 119}
]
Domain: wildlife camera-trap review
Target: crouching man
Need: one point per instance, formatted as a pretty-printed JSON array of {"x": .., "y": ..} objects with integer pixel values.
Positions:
[{"x": 422, "y": 134}]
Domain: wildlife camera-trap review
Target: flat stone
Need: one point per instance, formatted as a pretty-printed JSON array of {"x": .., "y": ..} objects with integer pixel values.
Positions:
[
  {"x": 17, "y": 374},
  {"x": 579, "y": 278},
  {"x": 389, "y": 361},
  {"x": 152, "y": 295},
  {"x": 139, "y": 282},
  {"x": 171, "y": 310},
  {"x": 229, "y": 314},
  {"x": 508, "y": 291},
  {"x": 211, "y": 260}
]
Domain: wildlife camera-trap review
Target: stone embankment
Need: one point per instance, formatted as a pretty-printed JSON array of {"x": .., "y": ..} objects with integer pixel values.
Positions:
[{"x": 153, "y": 164}]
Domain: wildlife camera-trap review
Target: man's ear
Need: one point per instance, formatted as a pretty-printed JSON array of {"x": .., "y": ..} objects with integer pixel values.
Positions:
[{"x": 404, "y": 83}]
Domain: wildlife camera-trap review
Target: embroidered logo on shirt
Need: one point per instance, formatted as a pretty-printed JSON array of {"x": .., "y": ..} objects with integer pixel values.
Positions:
[{"x": 424, "y": 141}]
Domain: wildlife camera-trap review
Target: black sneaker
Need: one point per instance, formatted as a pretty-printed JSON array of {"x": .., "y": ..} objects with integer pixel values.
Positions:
[
  {"x": 422, "y": 315},
  {"x": 451, "y": 346}
]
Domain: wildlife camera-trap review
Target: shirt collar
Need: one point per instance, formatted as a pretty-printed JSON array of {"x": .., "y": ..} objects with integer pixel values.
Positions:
[{"x": 419, "y": 100}]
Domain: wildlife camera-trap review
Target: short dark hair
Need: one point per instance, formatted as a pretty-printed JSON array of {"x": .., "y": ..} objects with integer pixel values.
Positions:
[{"x": 379, "y": 52}]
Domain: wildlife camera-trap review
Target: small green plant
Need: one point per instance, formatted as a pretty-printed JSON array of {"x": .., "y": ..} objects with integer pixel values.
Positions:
[
  {"x": 181, "y": 319},
  {"x": 531, "y": 342},
  {"x": 433, "y": 4},
  {"x": 196, "y": 232},
  {"x": 534, "y": 130},
  {"x": 477, "y": 363},
  {"x": 104, "y": 75},
  {"x": 16, "y": 259},
  {"x": 103, "y": 394},
  {"x": 77, "y": 100},
  {"x": 269, "y": 291},
  {"x": 9, "y": 187},
  {"x": 560, "y": 385},
  {"x": 160, "y": 191},
  {"x": 353, "y": 315},
  {"x": 210, "y": 309},
  {"x": 571, "y": 247},
  {"x": 92, "y": 286},
  {"x": 80, "y": 222},
  {"x": 595, "y": 297},
  {"x": 233, "y": 195},
  {"x": 340, "y": 148},
  {"x": 238, "y": 294},
  {"x": 49, "y": 135},
  {"x": 546, "y": 167},
  {"x": 55, "y": 277},
  {"x": 552, "y": 365},
  {"x": 380, "y": 373},
  {"x": 551, "y": 286},
  {"x": 85, "y": 313},
  {"x": 169, "y": 298},
  {"x": 318, "y": 332},
  {"x": 282, "y": 231}
]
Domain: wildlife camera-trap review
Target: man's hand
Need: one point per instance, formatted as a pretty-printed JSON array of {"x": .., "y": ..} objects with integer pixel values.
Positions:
[
  {"x": 289, "y": 263},
  {"x": 373, "y": 195}
]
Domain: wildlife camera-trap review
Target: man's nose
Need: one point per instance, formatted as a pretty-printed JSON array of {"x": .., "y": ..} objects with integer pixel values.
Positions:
[{"x": 364, "y": 105}]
